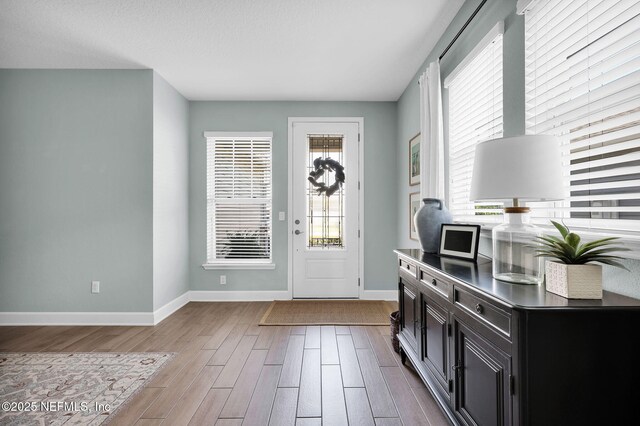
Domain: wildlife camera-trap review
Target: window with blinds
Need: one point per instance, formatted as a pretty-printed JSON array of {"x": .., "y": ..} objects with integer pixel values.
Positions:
[
  {"x": 238, "y": 198},
  {"x": 582, "y": 68},
  {"x": 475, "y": 115}
]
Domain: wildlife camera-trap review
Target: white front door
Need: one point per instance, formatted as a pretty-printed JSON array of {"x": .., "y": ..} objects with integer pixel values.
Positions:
[{"x": 325, "y": 209}]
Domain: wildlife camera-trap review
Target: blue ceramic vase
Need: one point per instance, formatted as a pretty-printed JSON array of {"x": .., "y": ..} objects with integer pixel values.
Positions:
[{"x": 428, "y": 221}]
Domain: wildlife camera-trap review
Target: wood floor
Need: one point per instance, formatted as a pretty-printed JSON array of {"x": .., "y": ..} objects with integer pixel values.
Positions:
[{"x": 230, "y": 371}]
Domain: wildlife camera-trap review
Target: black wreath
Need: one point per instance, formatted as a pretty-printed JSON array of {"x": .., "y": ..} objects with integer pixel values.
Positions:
[{"x": 320, "y": 165}]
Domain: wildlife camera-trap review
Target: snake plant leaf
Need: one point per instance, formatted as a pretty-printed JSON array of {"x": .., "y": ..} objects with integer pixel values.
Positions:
[
  {"x": 584, "y": 249},
  {"x": 597, "y": 258},
  {"x": 572, "y": 239},
  {"x": 564, "y": 231},
  {"x": 587, "y": 258},
  {"x": 549, "y": 239},
  {"x": 557, "y": 257},
  {"x": 597, "y": 252},
  {"x": 597, "y": 243},
  {"x": 551, "y": 252},
  {"x": 563, "y": 248},
  {"x": 569, "y": 250},
  {"x": 614, "y": 263},
  {"x": 552, "y": 249}
]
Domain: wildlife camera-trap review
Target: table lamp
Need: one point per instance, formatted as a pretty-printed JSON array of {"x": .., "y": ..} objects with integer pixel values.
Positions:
[{"x": 520, "y": 168}]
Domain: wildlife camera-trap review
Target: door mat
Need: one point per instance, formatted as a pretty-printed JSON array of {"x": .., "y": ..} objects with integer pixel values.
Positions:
[
  {"x": 328, "y": 312},
  {"x": 72, "y": 388}
]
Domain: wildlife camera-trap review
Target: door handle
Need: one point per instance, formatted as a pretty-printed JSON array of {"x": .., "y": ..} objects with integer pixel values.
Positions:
[{"x": 297, "y": 232}]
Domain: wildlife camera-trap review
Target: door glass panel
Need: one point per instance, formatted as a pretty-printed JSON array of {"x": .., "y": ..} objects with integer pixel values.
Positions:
[{"x": 325, "y": 192}]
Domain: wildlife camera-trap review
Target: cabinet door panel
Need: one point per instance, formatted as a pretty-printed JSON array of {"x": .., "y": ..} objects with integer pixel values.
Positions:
[
  {"x": 482, "y": 378},
  {"x": 409, "y": 314},
  {"x": 435, "y": 339}
]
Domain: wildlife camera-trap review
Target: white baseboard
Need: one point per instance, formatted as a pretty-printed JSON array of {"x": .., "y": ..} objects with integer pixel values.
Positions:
[
  {"x": 94, "y": 318},
  {"x": 261, "y": 296},
  {"x": 76, "y": 318},
  {"x": 391, "y": 295},
  {"x": 153, "y": 318},
  {"x": 238, "y": 296},
  {"x": 169, "y": 308}
]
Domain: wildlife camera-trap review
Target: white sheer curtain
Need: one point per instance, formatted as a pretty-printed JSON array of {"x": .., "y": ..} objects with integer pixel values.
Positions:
[{"x": 431, "y": 134}]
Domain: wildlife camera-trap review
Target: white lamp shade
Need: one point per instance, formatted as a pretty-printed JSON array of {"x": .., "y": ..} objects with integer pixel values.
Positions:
[{"x": 524, "y": 167}]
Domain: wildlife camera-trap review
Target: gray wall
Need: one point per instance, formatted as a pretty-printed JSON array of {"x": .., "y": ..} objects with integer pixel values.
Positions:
[
  {"x": 75, "y": 190},
  {"x": 93, "y": 183},
  {"x": 409, "y": 102},
  {"x": 170, "y": 193},
  {"x": 379, "y": 174},
  {"x": 514, "y": 112}
]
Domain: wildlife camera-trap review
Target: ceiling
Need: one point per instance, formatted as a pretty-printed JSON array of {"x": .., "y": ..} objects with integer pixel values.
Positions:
[{"x": 347, "y": 50}]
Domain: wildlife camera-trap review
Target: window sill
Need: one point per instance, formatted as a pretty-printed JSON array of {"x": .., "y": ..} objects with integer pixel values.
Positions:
[
  {"x": 630, "y": 240},
  {"x": 214, "y": 266}
]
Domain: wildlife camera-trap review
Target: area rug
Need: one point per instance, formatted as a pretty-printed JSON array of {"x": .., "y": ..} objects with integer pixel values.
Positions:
[
  {"x": 327, "y": 312},
  {"x": 71, "y": 388}
]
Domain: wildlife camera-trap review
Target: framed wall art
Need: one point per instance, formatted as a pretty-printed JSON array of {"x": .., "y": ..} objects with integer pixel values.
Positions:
[
  {"x": 414, "y": 205},
  {"x": 414, "y": 160}
]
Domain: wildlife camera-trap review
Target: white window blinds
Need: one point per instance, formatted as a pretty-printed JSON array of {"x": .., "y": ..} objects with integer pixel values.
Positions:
[
  {"x": 238, "y": 198},
  {"x": 582, "y": 68},
  {"x": 475, "y": 115}
]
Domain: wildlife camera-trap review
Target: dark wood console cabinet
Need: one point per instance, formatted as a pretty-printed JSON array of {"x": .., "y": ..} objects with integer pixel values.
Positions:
[{"x": 494, "y": 353}]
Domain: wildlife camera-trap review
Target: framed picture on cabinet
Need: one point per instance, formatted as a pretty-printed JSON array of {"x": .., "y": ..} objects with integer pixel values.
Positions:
[
  {"x": 414, "y": 205},
  {"x": 459, "y": 241},
  {"x": 414, "y": 160}
]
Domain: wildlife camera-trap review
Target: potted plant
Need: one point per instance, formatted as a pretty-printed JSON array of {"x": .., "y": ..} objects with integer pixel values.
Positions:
[{"x": 574, "y": 273}]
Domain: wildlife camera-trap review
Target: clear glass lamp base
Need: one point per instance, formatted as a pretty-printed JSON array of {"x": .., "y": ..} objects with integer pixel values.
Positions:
[{"x": 515, "y": 258}]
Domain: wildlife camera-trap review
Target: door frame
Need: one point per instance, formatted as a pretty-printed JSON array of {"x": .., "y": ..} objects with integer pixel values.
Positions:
[{"x": 291, "y": 122}]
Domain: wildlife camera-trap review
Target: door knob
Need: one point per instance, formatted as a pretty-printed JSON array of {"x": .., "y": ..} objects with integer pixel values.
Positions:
[
  {"x": 297, "y": 232},
  {"x": 297, "y": 222}
]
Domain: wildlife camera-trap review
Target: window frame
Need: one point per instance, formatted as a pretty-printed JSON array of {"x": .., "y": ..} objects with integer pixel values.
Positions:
[{"x": 212, "y": 263}]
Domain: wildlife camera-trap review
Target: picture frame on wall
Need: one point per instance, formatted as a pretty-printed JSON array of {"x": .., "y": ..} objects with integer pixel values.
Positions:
[
  {"x": 414, "y": 160},
  {"x": 414, "y": 205},
  {"x": 459, "y": 241}
]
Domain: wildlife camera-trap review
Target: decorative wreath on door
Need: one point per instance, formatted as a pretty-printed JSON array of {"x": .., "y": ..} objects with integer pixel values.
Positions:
[{"x": 320, "y": 165}]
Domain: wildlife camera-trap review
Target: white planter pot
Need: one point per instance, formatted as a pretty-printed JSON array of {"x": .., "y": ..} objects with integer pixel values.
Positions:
[{"x": 574, "y": 281}]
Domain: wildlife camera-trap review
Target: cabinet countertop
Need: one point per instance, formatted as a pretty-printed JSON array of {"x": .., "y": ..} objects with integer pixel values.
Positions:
[{"x": 478, "y": 276}]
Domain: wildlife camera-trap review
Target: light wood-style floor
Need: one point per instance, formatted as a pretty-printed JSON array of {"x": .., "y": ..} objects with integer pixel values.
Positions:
[{"x": 230, "y": 371}]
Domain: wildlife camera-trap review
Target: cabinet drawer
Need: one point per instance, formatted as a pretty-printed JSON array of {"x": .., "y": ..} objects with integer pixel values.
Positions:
[
  {"x": 441, "y": 287},
  {"x": 408, "y": 267},
  {"x": 478, "y": 308}
]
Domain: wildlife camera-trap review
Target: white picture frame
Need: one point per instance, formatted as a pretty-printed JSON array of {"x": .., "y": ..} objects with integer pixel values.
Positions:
[
  {"x": 459, "y": 241},
  {"x": 414, "y": 205},
  {"x": 414, "y": 160}
]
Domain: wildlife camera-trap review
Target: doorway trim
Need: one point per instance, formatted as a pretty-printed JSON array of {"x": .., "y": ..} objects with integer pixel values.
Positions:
[{"x": 360, "y": 122}]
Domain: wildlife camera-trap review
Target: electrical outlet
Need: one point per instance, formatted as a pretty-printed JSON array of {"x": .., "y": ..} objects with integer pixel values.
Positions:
[
  {"x": 95, "y": 286},
  {"x": 223, "y": 279},
  {"x": 281, "y": 216}
]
